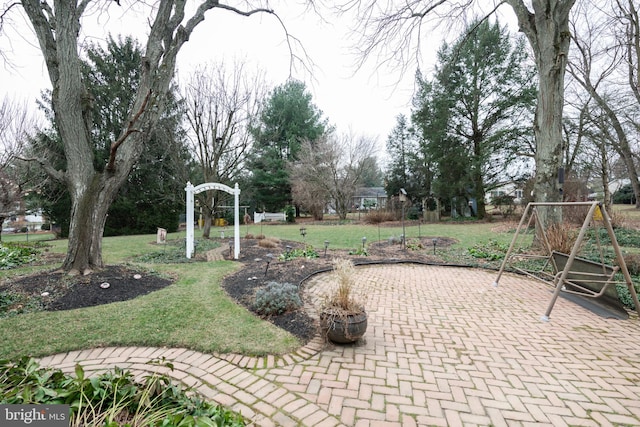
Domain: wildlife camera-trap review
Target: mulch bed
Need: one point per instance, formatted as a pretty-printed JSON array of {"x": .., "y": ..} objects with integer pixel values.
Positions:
[{"x": 55, "y": 290}]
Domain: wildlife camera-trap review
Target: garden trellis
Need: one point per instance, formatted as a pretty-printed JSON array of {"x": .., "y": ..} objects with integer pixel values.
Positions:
[{"x": 191, "y": 191}]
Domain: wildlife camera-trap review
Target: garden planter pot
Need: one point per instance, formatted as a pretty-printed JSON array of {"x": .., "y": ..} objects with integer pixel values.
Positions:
[{"x": 344, "y": 329}]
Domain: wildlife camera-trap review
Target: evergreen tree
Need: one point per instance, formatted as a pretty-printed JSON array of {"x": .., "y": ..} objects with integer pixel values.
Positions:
[
  {"x": 471, "y": 115},
  {"x": 288, "y": 118},
  {"x": 401, "y": 147}
]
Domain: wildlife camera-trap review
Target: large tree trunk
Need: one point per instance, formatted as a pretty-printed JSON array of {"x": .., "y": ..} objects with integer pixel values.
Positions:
[
  {"x": 90, "y": 204},
  {"x": 477, "y": 176},
  {"x": 57, "y": 27},
  {"x": 547, "y": 30}
]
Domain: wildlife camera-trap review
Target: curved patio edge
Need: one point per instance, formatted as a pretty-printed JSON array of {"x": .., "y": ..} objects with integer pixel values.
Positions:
[{"x": 232, "y": 383}]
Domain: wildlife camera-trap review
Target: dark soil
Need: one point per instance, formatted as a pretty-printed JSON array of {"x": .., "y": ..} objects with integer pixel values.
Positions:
[{"x": 54, "y": 290}]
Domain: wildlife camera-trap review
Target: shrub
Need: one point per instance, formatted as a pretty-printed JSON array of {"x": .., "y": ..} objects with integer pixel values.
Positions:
[
  {"x": 618, "y": 219},
  {"x": 492, "y": 251},
  {"x": 112, "y": 398},
  {"x": 307, "y": 252},
  {"x": 624, "y": 195},
  {"x": 414, "y": 245},
  {"x": 633, "y": 263},
  {"x": 413, "y": 213},
  {"x": 575, "y": 214},
  {"x": 505, "y": 204},
  {"x": 376, "y": 217},
  {"x": 561, "y": 237},
  {"x": 359, "y": 251},
  {"x": 277, "y": 298},
  {"x": 395, "y": 240},
  {"x": 268, "y": 243},
  {"x": 15, "y": 255},
  {"x": 625, "y": 296},
  {"x": 290, "y": 213}
]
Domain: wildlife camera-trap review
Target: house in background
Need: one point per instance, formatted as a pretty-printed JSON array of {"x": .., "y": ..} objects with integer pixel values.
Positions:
[
  {"x": 507, "y": 189},
  {"x": 24, "y": 220},
  {"x": 370, "y": 198}
]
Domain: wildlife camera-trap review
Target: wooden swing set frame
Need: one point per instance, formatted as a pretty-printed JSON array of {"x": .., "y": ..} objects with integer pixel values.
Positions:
[{"x": 568, "y": 272}]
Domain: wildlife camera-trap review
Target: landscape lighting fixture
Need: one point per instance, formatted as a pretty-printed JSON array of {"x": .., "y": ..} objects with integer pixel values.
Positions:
[{"x": 269, "y": 259}]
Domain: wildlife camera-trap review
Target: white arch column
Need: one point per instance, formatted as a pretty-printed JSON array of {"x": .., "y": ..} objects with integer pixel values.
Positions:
[{"x": 191, "y": 191}]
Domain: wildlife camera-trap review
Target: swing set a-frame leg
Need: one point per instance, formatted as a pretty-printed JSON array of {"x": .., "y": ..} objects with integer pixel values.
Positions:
[
  {"x": 560, "y": 279},
  {"x": 512, "y": 244},
  {"x": 621, "y": 262}
]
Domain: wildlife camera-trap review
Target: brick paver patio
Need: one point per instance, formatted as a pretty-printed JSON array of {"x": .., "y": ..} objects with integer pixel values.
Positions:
[{"x": 443, "y": 348}]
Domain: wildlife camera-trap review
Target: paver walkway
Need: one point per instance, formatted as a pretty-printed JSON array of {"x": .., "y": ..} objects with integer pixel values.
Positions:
[{"x": 443, "y": 348}]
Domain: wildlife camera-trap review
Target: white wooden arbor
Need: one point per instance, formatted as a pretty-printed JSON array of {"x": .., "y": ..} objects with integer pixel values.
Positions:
[
  {"x": 569, "y": 272},
  {"x": 191, "y": 191}
]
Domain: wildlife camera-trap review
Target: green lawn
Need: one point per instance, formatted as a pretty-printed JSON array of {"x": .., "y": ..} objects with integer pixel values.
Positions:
[
  {"x": 194, "y": 312},
  {"x": 348, "y": 235}
]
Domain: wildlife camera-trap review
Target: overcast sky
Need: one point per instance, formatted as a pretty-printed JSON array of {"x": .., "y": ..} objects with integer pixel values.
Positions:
[{"x": 364, "y": 100}]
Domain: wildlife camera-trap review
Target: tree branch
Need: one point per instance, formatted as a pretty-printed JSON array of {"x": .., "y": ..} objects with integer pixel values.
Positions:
[
  {"x": 44, "y": 30},
  {"x": 6, "y": 12},
  {"x": 130, "y": 129},
  {"x": 49, "y": 170}
]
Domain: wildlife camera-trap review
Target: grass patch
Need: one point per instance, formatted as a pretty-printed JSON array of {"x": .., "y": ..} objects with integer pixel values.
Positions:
[
  {"x": 348, "y": 236},
  {"x": 173, "y": 252},
  {"x": 194, "y": 313}
]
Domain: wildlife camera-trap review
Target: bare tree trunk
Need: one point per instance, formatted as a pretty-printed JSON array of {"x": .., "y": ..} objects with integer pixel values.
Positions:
[
  {"x": 208, "y": 209},
  {"x": 88, "y": 216},
  {"x": 206, "y": 225},
  {"x": 547, "y": 30},
  {"x": 604, "y": 163}
]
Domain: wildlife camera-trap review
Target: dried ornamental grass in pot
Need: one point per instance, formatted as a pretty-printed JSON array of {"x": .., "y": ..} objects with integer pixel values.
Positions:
[{"x": 343, "y": 318}]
